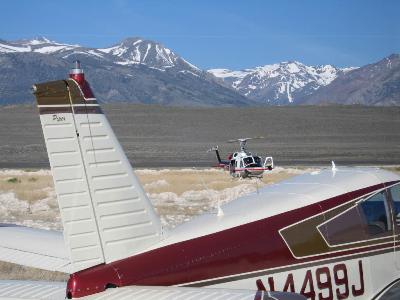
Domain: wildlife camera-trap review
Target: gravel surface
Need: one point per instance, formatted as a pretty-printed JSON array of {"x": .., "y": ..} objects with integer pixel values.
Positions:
[{"x": 155, "y": 136}]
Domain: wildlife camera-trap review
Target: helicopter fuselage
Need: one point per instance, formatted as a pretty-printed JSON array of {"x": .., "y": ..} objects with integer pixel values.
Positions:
[{"x": 244, "y": 164}]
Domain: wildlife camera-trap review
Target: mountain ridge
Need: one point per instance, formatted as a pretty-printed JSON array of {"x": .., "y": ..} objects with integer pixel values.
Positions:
[
  {"x": 279, "y": 83},
  {"x": 139, "y": 70},
  {"x": 161, "y": 77},
  {"x": 373, "y": 84}
]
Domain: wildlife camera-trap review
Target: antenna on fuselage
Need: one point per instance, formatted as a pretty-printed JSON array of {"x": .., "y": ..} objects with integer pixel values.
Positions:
[
  {"x": 220, "y": 212},
  {"x": 334, "y": 169}
]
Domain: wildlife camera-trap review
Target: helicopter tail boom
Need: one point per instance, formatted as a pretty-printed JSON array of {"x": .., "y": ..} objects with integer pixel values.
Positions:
[{"x": 221, "y": 163}]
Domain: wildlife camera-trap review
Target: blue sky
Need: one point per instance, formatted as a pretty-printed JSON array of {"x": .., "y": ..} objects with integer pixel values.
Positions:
[{"x": 233, "y": 34}]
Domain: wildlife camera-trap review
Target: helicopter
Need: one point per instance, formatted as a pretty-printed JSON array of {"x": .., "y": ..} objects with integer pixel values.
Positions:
[{"x": 243, "y": 164}]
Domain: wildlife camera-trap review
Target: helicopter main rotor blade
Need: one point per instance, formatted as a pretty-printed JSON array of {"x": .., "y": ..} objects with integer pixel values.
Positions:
[{"x": 241, "y": 140}]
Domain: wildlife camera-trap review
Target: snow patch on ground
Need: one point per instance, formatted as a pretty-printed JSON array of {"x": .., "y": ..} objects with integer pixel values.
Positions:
[
  {"x": 189, "y": 72},
  {"x": 20, "y": 172},
  {"x": 9, "y": 204},
  {"x": 10, "y": 49},
  {"x": 191, "y": 65},
  {"x": 51, "y": 49},
  {"x": 348, "y": 69},
  {"x": 156, "y": 184},
  {"x": 224, "y": 73},
  {"x": 191, "y": 203},
  {"x": 183, "y": 170}
]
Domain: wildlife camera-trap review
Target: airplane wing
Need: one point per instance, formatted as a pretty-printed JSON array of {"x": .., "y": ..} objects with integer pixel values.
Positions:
[
  {"x": 45, "y": 249},
  {"x": 29, "y": 290},
  {"x": 38, "y": 248},
  {"x": 183, "y": 293}
]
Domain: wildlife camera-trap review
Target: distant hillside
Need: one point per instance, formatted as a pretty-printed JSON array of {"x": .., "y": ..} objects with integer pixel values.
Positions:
[
  {"x": 374, "y": 84},
  {"x": 143, "y": 71}
]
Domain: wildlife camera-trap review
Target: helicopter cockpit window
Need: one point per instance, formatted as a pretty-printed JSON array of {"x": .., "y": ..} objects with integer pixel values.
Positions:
[
  {"x": 248, "y": 160},
  {"x": 257, "y": 161}
]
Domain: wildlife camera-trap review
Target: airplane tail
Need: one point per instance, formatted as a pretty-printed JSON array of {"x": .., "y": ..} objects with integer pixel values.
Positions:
[{"x": 105, "y": 212}]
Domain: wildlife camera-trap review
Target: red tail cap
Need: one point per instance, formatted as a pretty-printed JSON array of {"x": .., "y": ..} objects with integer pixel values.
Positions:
[{"x": 77, "y": 73}]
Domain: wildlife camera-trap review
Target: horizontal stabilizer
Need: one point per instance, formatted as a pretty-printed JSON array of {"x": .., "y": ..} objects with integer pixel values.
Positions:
[
  {"x": 37, "y": 248},
  {"x": 28, "y": 290},
  {"x": 31, "y": 290}
]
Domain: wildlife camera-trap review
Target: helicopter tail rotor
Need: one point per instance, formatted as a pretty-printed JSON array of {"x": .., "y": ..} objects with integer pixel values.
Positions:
[{"x": 215, "y": 148}]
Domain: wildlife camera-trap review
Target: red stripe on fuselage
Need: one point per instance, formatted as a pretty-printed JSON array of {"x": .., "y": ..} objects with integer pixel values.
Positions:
[
  {"x": 250, "y": 169},
  {"x": 246, "y": 248}
]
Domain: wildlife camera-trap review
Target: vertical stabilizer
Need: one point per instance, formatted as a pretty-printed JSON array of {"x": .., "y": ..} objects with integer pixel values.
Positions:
[{"x": 105, "y": 212}]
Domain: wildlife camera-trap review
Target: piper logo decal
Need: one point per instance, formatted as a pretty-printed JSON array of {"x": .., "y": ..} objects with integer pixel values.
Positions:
[{"x": 58, "y": 118}]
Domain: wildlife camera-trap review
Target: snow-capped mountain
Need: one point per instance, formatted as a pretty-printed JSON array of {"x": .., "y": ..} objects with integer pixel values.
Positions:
[
  {"x": 134, "y": 70},
  {"x": 143, "y": 71},
  {"x": 130, "y": 51},
  {"x": 38, "y": 45},
  {"x": 375, "y": 84},
  {"x": 137, "y": 51},
  {"x": 281, "y": 83}
]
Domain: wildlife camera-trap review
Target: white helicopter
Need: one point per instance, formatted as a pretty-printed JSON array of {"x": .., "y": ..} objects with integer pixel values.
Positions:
[{"x": 242, "y": 163}]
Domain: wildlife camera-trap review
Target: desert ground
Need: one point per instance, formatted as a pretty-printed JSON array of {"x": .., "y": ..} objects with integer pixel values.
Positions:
[{"x": 155, "y": 136}]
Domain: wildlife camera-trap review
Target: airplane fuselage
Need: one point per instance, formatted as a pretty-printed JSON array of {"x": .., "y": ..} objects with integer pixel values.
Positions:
[{"x": 284, "y": 252}]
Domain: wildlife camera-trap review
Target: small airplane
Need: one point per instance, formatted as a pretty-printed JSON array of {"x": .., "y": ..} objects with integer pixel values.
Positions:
[
  {"x": 243, "y": 163},
  {"x": 328, "y": 234}
]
